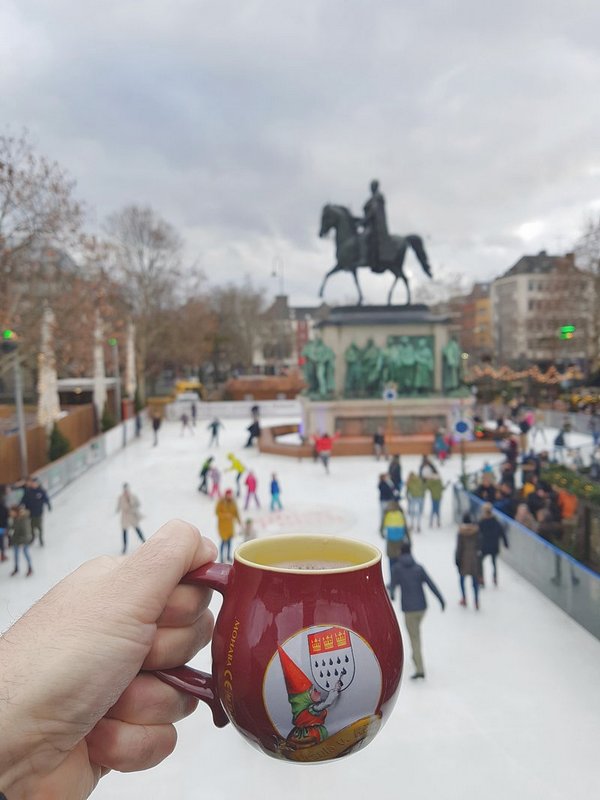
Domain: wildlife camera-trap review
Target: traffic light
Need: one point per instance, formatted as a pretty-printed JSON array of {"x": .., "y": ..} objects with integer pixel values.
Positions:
[
  {"x": 567, "y": 332},
  {"x": 9, "y": 341}
]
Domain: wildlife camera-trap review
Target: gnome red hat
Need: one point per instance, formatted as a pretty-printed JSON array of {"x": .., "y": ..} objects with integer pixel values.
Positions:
[{"x": 295, "y": 680}]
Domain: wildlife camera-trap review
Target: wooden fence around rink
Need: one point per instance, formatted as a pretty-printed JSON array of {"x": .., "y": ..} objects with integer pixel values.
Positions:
[{"x": 78, "y": 426}]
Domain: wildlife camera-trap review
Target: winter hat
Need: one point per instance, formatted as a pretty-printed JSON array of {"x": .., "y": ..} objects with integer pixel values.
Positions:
[{"x": 295, "y": 680}]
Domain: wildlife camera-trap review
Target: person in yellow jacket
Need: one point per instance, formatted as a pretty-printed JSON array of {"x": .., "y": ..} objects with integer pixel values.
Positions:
[
  {"x": 227, "y": 514},
  {"x": 239, "y": 469},
  {"x": 395, "y": 531}
]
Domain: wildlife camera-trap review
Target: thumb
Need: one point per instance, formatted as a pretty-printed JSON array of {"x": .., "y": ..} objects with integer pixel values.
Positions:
[{"x": 148, "y": 577}]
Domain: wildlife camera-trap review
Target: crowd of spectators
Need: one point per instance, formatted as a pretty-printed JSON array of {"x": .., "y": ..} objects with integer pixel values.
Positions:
[{"x": 520, "y": 493}]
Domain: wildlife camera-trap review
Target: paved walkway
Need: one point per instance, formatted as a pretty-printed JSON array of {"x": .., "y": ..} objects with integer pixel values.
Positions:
[{"x": 511, "y": 704}]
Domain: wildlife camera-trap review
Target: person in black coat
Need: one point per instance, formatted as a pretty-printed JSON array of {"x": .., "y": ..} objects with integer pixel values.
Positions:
[
  {"x": 395, "y": 473},
  {"x": 3, "y": 522},
  {"x": 410, "y": 577},
  {"x": 491, "y": 531},
  {"x": 486, "y": 490},
  {"x": 34, "y": 499}
]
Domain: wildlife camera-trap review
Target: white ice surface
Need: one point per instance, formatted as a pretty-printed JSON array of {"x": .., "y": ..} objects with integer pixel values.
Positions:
[{"x": 511, "y": 704}]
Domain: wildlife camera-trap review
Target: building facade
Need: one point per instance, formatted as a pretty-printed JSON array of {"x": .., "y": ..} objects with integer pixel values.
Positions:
[
  {"x": 533, "y": 301},
  {"x": 285, "y": 331}
]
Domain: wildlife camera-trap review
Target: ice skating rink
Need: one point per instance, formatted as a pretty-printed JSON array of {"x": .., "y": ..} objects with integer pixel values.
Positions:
[{"x": 510, "y": 707}]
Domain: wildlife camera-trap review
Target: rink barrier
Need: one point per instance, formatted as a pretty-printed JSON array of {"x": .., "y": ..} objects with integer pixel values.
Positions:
[
  {"x": 238, "y": 409},
  {"x": 572, "y": 586},
  {"x": 59, "y": 474},
  {"x": 550, "y": 418}
]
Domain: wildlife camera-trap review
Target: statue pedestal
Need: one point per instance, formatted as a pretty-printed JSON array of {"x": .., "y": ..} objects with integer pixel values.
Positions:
[
  {"x": 376, "y": 348},
  {"x": 410, "y": 422},
  {"x": 347, "y": 325}
]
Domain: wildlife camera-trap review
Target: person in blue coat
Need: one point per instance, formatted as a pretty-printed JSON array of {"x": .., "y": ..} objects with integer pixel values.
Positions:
[{"x": 410, "y": 577}]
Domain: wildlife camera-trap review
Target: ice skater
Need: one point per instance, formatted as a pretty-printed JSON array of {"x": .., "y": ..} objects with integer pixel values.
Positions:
[
  {"x": 129, "y": 506},
  {"x": 239, "y": 469},
  {"x": 395, "y": 531},
  {"x": 467, "y": 557},
  {"x": 537, "y": 429},
  {"x": 214, "y": 427},
  {"x": 22, "y": 537},
  {"x": 215, "y": 480},
  {"x": 156, "y": 423},
  {"x": 415, "y": 494},
  {"x": 410, "y": 577},
  {"x": 249, "y": 532},
  {"x": 323, "y": 448},
  {"x": 204, "y": 472},
  {"x": 251, "y": 486},
  {"x": 436, "y": 490},
  {"x": 275, "y": 493},
  {"x": 4, "y": 516},
  {"x": 491, "y": 532},
  {"x": 185, "y": 424},
  {"x": 227, "y": 515},
  {"x": 34, "y": 499}
]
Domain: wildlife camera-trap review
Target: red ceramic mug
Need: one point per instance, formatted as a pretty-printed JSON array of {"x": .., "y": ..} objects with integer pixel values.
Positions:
[{"x": 307, "y": 654}]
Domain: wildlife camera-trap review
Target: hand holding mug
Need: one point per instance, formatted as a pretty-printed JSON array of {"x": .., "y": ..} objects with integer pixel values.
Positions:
[{"x": 307, "y": 654}]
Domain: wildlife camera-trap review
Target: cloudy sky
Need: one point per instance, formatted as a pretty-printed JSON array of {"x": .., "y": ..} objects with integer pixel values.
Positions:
[{"x": 237, "y": 120}]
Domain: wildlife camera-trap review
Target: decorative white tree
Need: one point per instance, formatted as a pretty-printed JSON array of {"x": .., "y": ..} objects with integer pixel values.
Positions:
[
  {"x": 48, "y": 410},
  {"x": 130, "y": 379},
  {"x": 99, "y": 370}
]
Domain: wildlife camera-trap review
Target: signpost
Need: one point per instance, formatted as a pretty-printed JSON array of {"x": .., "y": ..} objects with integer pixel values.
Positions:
[{"x": 462, "y": 430}]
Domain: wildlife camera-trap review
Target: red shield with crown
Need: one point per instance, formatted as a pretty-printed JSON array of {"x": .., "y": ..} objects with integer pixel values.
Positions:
[{"x": 331, "y": 659}]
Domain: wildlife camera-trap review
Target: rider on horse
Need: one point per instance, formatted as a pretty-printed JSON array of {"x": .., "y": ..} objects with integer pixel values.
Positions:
[{"x": 376, "y": 230}]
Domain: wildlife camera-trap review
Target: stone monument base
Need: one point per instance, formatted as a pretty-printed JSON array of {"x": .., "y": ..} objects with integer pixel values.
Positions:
[
  {"x": 409, "y": 425},
  {"x": 381, "y": 326},
  {"x": 405, "y": 416}
]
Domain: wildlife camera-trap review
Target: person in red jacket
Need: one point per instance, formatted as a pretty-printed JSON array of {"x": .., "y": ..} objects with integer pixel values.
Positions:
[
  {"x": 251, "y": 484},
  {"x": 323, "y": 447}
]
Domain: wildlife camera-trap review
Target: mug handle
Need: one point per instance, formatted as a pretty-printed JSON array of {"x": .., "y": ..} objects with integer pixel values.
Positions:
[{"x": 201, "y": 684}]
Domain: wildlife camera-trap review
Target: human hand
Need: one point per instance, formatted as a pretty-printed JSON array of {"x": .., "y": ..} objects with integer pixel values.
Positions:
[{"x": 79, "y": 705}]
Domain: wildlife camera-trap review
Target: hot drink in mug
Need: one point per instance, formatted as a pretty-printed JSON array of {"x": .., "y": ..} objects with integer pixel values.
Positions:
[{"x": 307, "y": 654}]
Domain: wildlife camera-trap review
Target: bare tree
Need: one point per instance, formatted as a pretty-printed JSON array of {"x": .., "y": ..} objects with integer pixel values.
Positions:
[
  {"x": 187, "y": 339},
  {"x": 37, "y": 213},
  {"x": 39, "y": 218},
  {"x": 587, "y": 253},
  {"x": 147, "y": 261},
  {"x": 238, "y": 313},
  {"x": 76, "y": 311}
]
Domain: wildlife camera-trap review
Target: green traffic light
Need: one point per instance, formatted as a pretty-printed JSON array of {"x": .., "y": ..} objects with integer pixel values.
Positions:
[
  {"x": 7, "y": 334},
  {"x": 112, "y": 342}
]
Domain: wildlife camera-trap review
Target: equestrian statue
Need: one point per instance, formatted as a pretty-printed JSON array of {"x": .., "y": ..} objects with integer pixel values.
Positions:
[{"x": 365, "y": 242}]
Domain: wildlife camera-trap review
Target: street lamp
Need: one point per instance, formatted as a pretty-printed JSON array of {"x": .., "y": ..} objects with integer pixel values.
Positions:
[
  {"x": 278, "y": 273},
  {"x": 10, "y": 343},
  {"x": 114, "y": 345}
]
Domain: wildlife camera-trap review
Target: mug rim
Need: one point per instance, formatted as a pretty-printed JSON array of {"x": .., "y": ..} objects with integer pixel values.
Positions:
[{"x": 371, "y": 554}]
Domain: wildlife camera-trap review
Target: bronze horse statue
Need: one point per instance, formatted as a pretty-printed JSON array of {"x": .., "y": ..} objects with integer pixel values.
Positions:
[{"x": 352, "y": 249}]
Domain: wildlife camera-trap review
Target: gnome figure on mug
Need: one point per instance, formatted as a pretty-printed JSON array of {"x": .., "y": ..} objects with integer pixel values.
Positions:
[{"x": 309, "y": 705}]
